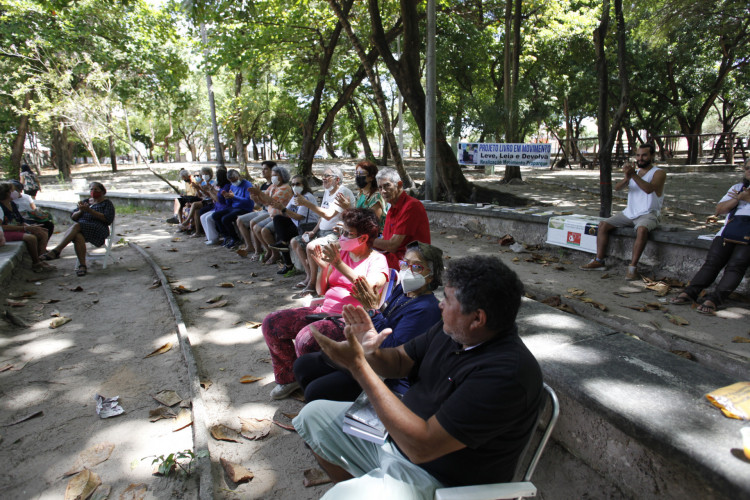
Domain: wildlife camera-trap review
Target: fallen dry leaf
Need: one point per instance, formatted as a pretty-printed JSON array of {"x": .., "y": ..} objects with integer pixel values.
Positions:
[
  {"x": 21, "y": 295},
  {"x": 27, "y": 417},
  {"x": 252, "y": 324},
  {"x": 285, "y": 426},
  {"x": 255, "y": 428},
  {"x": 58, "y": 322},
  {"x": 516, "y": 259},
  {"x": 253, "y": 275},
  {"x": 48, "y": 301},
  {"x": 206, "y": 384},
  {"x": 82, "y": 485},
  {"x": 13, "y": 319},
  {"x": 102, "y": 493},
  {"x": 176, "y": 239},
  {"x": 637, "y": 308},
  {"x": 164, "y": 268},
  {"x": 267, "y": 279},
  {"x": 553, "y": 301},
  {"x": 741, "y": 340},
  {"x": 677, "y": 320},
  {"x": 167, "y": 397},
  {"x": 592, "y": 302},
  {"x": 213, "y": 300},
  {"x": 216, "y": 305},
  {"x": 5, "y": 368},
  {"x": 79, "y": 288},
  {"x": 249, "y": 379},
  {"x": 224, "y": 433},
  {"x": 225, "y": 285},
  {"x": 173, "y": 249},
  {"x": 661, "y": 288},
  {"x": 160, "y": 413},
  {"x": 314, "y": 477},
  {"x": 245, "y": 282},
  {"x": 183, "y": 289},
  {"x": 236, "y": 473},
  {"x": 16, "y": 303},
  {"x": 604, "y": 276},
  {"x": 684, "y": 354},
  {"x": 655, "y": 325},
  {"x": 506, "y": 240},
  {"x": 576, "y": 291},
  {"x": 134, "y": 492},
  {"x": 161, "y": 350},
  {"x": 290, "y": 416},
  {"x": 184, "y": 419},
  {"x": 90, "y": 457}
]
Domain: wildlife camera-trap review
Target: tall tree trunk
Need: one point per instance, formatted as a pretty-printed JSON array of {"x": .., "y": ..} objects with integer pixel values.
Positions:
[
  {"x": 211, "y": 102},
  {"x": 511, "y": 58},
  {"x": 62, "y": 153},
  {"x": 111, "y": 140},
  {"x": 238, "y": 135},
  {"x": 16, "y": 155},
  {"x": 607, "y": 134},
  {"x": 377, "y": 90},
  {"x": 359, "y": 125}
]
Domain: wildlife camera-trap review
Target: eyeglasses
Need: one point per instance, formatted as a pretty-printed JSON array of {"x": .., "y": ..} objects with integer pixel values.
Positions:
[
  {"x": 415, "y": 268},
  {"x": 296, "y": 183},
  {"x": 348, "y": 234},
  {"x": 327, "y": 176}
]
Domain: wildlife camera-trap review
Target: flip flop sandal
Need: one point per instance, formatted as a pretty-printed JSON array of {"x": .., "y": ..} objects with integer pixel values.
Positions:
[
  {"x": 301, "y": 284},
  {"x": 81, "y": 270},
  {"x": 304, "y": 293},
  {"x": 680, "y": 301},
  {"x": 710, "y": 310},
  {"x": 51, "y": 255}
]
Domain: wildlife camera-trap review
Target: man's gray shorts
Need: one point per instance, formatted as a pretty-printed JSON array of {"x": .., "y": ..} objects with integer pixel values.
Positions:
[{"x": 650, "y": 221}]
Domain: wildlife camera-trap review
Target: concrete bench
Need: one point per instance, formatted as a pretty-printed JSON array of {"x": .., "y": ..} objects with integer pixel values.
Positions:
[
  {"x": 11, "y": 255},
  {"x": 634, "y": 413},
  {"x": 678, "y": 253},
  {"x": 163, "y": 202}
]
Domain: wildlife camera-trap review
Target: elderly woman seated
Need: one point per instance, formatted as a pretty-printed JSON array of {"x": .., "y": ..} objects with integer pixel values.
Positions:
[
  {"x": 16, "y": 228},
  {"x": 92, "y": 220},
  {"x": 408, "y": 312},
  {"x": 287, "y": 333}
]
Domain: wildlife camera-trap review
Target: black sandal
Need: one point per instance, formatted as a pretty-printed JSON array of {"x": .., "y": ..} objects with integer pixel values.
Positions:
[
  {"x": 51, "y": 255},
  {"x": 680, "y": 300},
  {"x": 81, "y": 270}
]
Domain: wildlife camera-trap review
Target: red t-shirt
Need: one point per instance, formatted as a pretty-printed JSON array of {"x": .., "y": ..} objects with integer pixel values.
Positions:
[{"x": 406, "y": 216}]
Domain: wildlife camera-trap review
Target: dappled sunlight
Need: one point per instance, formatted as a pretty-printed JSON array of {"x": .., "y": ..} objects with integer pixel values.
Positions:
[
  {"x": 41, "y": 348},
  {"x": 574, "y": 354},
  {"x": 554, "y": 321},
  {"x": 23, "y": 399},
  {"x": 257, "y": 409}
]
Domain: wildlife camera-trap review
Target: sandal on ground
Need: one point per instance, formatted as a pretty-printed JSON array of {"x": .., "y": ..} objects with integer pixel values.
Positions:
[
  {"x": 81, "y": 270},
  {"x": 51, "y": 255},
  {"x": 301, "y": 284},
  {"x": 304, "y": 293},
  {"x": 255, "y": 257},
  {"x": 681, "y": 300},
  {"x": 707, "y": 309}
]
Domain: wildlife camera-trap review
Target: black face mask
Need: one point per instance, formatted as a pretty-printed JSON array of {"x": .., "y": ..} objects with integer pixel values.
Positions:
[{"x": 361, "y": 181}]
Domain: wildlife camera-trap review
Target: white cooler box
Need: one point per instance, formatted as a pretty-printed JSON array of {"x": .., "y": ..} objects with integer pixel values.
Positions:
[{"x": 573, "y": 231}]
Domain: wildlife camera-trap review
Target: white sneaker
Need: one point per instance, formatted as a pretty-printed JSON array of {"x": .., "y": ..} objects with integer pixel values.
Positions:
[
  {"x": 282, "y": 391},
  {"x": 212, "y": 242}
]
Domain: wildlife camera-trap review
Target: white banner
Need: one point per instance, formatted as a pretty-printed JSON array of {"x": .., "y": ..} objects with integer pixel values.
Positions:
[{"x": 481, "y": 153}]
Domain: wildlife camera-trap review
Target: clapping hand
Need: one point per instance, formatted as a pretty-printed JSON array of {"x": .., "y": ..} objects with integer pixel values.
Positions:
[
  {"x": 342, "y": 200},
  {"x": 365, "y": 294},
  {"x": 742, "y": 195},
  {"x": 628, "y": 170}
]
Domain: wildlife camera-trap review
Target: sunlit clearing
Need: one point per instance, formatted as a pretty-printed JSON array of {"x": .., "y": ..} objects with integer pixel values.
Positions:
[
  {"x": 230, "y": 336},
  {"x": 43, "y": 347},
  {"x": 572, "y": 354},
  {"x": 641, "y": 400},
  {"x": 257, "y": 410},
  {"x": 733, "y": 313},
  {"x": 27, "y": 398},
  {"x": 554, "y": 322}
]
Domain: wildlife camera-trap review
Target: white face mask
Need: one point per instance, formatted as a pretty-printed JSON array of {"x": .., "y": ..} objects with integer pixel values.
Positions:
[
  {"x": 14, "y": 195},
  {"x": 411, "y": 281},
  {"x": 275, "y": 180},
  {"x": 206, "y": 177},
  {"x": 297, "y": 189},
  {"x": 236, "y": 183}
]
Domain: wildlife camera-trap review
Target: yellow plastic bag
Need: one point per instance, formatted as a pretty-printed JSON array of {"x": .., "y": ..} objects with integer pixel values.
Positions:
[{"x": 733, "y": 400}]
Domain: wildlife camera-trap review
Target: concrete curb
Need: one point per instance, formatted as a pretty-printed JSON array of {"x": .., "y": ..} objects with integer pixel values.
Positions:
[{"x": 200, "y": 430}]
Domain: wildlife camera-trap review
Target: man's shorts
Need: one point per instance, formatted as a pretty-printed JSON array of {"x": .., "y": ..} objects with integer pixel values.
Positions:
[
  {"x": 380, "y": 472},
  {"x": 650, "y": 221},
  {"x": 323, "y": 238},
  {"x": 252, "y": 216}
]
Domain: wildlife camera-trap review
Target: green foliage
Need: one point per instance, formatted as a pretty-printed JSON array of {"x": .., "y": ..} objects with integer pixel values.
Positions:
[{"x": 178, "y": 464}]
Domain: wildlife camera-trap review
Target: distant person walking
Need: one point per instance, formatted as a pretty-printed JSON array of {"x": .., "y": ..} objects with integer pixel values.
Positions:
[{"x": 30, "y": 183}]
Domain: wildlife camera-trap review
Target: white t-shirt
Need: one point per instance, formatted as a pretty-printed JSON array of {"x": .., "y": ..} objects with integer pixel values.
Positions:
[
  {"x": 743, "y": 207},
  {"x": 309, "y": 215},
  {"x": 24, "y": 203},
  {"x": 330, "y": 201}
]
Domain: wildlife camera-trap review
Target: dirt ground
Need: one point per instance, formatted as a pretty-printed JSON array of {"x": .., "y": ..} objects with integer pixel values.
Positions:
[{"x": 117, "y": 319}]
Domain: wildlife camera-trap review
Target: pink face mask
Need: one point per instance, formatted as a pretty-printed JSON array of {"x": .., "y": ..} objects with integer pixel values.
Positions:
[{"x": 349, "y": 244}]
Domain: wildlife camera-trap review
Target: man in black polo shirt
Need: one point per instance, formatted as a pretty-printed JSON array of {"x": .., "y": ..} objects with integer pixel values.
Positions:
[{"x": 475, "y": 393}]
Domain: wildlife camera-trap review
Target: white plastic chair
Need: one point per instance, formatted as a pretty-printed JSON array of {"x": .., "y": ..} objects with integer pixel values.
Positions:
[
  {"x": 108, "y": 247},
  {"x": 523, "y": 487}
]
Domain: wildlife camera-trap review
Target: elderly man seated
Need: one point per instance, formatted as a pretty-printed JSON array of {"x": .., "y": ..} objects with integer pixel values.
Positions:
[
  {"x": 406, "y": 220},
  {"x": 475, "y": 394}
]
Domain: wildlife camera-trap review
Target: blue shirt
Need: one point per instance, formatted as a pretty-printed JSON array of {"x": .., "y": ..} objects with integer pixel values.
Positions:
[{"x": 242, "y": 196}]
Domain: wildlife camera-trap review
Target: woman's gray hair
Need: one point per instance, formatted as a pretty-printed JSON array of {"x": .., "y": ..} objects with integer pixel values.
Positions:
[
  {"x": 388, "y": 174},
  {"x": 433, "y": 256},
  {"x": 336, "y": 172},
  {"x": 282, "y": 172},
  {"x": 207, "y": 171},
  {"x": 184, "y": 173}
]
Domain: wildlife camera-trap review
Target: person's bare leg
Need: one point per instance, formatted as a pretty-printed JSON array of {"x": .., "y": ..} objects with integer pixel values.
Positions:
[
  {"x": 32, "y": 246},
  {"x": 336, "y": 473},
  {"x": 269, "y": 239},
  {"x": 258, "y": 239},
  {"x": 602, "y": 238},
  {"x": 297, "y": 248},
  {"x": 69, "y": 235},
  {"x": 313, "y": 268},
  {"x": 79, "y": 245},
  {"x": 641, "y": 238},
  {"x": 197, "y": 222},
  {"x": 245, "y": 233}
]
